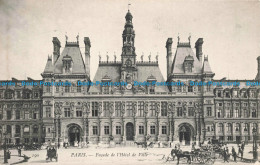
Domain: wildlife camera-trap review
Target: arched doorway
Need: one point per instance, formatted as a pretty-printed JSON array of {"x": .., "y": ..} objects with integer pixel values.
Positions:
[
  {"x": 74, "y": 134},
  {"x": 129, "y": 131},
  {"x": 185, "y": 135}
]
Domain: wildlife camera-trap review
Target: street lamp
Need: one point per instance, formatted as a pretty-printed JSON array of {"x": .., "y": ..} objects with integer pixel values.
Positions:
[
  {"x": 5, "y": 153},
  {"x": 254, "y": 144}
]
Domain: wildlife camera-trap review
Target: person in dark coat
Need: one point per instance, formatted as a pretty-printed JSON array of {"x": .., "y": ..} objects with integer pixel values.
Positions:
[
  {"x": 19, "y": 151},
  {"x": 234, "y": 154},
  {"x": 225, "y": 156}
]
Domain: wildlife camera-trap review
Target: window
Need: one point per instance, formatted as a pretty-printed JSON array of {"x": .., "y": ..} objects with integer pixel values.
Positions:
[
  {"x": 209, "y": 111},
  {"x": 78, "y": 88},
  {"x": 246, "y": 113},
  {"x": 106, "y": 109},
  {"x": 118, "y": 130},
  {"x": 57, "y": 88},
  {"x": 67, "y": 89},
  {"x": 220, "y": 104},
  {"x": 164, "y": 129},
  {"x": 208, "y": 88},
  {"x": 106, "y": 130},
  {"x": 208, "y": 128},
  {"x": 190, "y": 88},
  {"x": 106, "y": 89},
  {"x": 79, "y": 112},
  {"x": 140, "y": 108},
  {"x": 141, "y": 130},
  {"x": 179, "y": 111},
  {"x": 66, "y": 112},
  {"x": 237, "y": 127},
  {"x": 219, "y": 113},
  {"x": 17, "y": 129},
  {"x": 36, "y": 94},
  {"x": 219, "y": 94},
  {"x": 9, "y": 115},
  {"x": 164, "y": 109},
  {"x": 228, "y": 113},
  {"x": 152, "y": 129},
  {"x": 48, "y": 112},
  {"x": 95, "y": 130},
  {"x": 118, "y": 109},
  {"x": 199, "y": 88},
  {"x": 8, "y": 129},
  {"x": 179, "y": 89},
  {"x": 245, "y": 127},
  {"x": 152, "y": 109},
  {"x": 236, "y": 113},
  {"x": 18, "y": 93},
  {"x": 227, "y": 95},
  {"x": 229, "y": 127},
  {"x": 129, "y": 111},
  {"x": 220, "y": 127},
  {"x": 190, "y": 111},
  {"x": 8, "y": 95},
  {"x": 152, "y": 90},
  {"x": 17, "y": 115},
  {"x": 35, "y": 129},
  {"x": 26, "y": 140},
  {"x": 1, "y": 115},
  {"x": 94, "y": 106},
  {"x": 35, "y": 140},
  {"x": 230, "y": 138},
  {"x": 253, "y": 112},
  {"x": 48, "y": 89},
  {"x": 34, "y": 115},
  {"x": 26, "y": 115}
]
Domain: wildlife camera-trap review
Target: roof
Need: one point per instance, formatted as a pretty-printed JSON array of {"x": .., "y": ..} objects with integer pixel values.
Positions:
[
  {"x": 206, "y": 67},
  {"x": 143, "y": 71},
  {"x": 49, "y": 66},
  {"x": 180, "y": 55},
  {"x": 78, "y": 66}
]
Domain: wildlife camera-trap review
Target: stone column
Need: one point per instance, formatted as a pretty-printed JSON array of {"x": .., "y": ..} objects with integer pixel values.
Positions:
[
  {"x": 224, "y": 131},
  {"x": 21, "y": 134}
]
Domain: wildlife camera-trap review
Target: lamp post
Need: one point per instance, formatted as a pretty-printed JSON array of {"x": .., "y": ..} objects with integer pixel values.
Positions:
[
  {"x": 5, "y": 153},
  {"x": 255, "y": 156},
  {"x": 53, "y": 133}
]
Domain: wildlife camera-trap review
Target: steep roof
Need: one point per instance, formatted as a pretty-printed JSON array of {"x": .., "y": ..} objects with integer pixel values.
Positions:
[
  {"x": 49, "y": 66},
  {"x": 73, "y": 51},
  {"x": 206, "y": 67},
  {"x": 181, "y": 53}
]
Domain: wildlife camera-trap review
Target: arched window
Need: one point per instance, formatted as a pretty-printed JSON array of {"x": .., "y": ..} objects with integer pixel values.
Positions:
[
  {"x": 229, "y": 127},
  {"x": 253, "y": 112},
  {"x": 246, "y": 127},
  {"x": 8, "y": 129},
  {"x": 237, "y": 127},
  {"x": 220, "y": 127},
  {"x": 35, "y": 129},
  {"x": 17, "y": 129}
]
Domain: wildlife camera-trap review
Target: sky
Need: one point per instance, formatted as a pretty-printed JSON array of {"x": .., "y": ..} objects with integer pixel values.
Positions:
[{"x": 230, "y": 30}]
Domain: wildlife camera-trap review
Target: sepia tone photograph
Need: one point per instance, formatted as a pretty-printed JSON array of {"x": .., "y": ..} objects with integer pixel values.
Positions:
[{"x": 129, "y": 82}]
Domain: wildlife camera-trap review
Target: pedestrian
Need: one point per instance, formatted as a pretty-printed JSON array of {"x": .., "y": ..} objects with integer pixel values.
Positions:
[
  {"x": 234, "y": 154},
  {"x": 243, "y": 146},
  {"x": 19, "y": 151},
  {"x": 225, "y": 156}
]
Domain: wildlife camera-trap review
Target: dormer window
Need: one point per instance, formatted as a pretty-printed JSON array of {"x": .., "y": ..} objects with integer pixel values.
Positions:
[
  {"x": 151, "y": 88},
  {"x": 188, "y": 64},
  {"x": 105, "y": 88},
  {"x": 67, "y": 64}
]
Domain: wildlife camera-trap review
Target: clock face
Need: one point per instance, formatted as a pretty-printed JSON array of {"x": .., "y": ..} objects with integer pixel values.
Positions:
[{"x": 128, "y": 63}]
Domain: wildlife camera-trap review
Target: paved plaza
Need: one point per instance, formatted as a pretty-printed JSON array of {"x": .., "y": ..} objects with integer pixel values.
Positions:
[{"x": 119, "y": 155}]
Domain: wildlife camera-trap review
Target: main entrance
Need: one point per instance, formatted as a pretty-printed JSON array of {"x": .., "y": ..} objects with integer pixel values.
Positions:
[
  {"x": 74, "y": 135},
  {"x": 185, "y": 135},
  {"x": 129, "y": 131}
]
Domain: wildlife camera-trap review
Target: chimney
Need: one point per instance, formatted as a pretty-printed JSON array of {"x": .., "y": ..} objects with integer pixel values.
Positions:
[
  {"x": 169, "y": 56},
  {"x": 87, "y": 55},
  {"x": 56, "y": 49},
  {"x": 198, "y": 46},
  {"x": 258, "y": 69}
]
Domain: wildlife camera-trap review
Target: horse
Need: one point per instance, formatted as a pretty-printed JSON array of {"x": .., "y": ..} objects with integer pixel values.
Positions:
[
  {"x": 142, "y": 144},
  {"x": 179, "y": 154}
]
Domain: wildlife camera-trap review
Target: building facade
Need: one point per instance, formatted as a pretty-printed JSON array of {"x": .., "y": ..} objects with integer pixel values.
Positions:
[{"x": 155, "y": 112}]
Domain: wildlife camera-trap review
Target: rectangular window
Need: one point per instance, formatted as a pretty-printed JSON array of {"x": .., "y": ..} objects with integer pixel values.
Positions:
[
  {"x": 164, "y": 108},
  {"x": 229, "y": 138},
  {"x": 117, "y": 108},
  {"x": 118, "y": 130},
  {"x": 18, "y": 94},
  {"x": 26, "y": 115},
  {"x": 79, "y": 112},
  {"x": 236, "y": 113},
  {"x": 78, "y": 89},
  {"x": 26, "y": 140},
  {"x": 106, "y": 89},
  {"x": 140, "y": 108},
  {"x": 48, "y": 112},
  {"x": 190, "y": 111},
  {"x": 94, "y": 106},
  {"x": 152, "y": 109},
  {"x": 67, "y": 89},
  {"x": 141, "y": 130},
  {"x": 17, "y": 129},
  {"x": 66, "y": 112},
  {"x": 8, "y": 129},
  {"x": 179, "y": 111},
  {"x": 152, "y": 129},
  {"x": 9, "y": 115},
  {"x": 36, "y": 94},
  {"x": 179, "y": 89},
  {"x": 95, "y": 130},
  {"x": 190, "y": 88},
  {"x": 129, "y": 110},
  {"x": 164, "y": 130},
  {"x": 106, "y": 130},
  {"x": 34, "y": 115},
  {"x": 57, "y": 89},
  {"x": 254, "y": 113},
  {"x": 48, "y": 89},
  {"x": 209, "y": 111},
  {"x": 106, "y": 109},
  {"x": 17, "y": 115}
]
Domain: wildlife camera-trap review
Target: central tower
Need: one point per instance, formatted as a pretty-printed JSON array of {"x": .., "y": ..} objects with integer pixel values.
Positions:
[{"x": 128, "y": 56}]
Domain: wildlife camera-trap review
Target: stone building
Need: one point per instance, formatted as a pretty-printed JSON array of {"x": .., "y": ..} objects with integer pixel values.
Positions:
[{"x": 100, "y": 114}]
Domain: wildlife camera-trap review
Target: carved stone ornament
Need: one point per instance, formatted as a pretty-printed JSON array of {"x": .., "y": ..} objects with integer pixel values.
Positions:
[{"x": 123, "y": 108}]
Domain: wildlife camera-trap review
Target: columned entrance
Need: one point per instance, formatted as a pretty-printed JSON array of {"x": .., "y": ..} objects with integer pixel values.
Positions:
[
  {"x": 129, "y": 131},
  {"x": 185, "y": 134},
  {"x": 74, "y": 134}
]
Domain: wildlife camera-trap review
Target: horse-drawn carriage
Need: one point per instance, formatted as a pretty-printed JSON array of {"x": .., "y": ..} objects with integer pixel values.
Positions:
[
  {"x": 145, "y": 144},
  {"x": 52, "y": 153}
]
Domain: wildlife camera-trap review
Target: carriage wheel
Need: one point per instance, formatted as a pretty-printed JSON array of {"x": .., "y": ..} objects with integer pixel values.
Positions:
[{"x": 151, "y": 145}]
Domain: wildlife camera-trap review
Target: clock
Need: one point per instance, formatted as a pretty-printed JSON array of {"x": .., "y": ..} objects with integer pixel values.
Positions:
[{"x": 129, "y": 86}]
